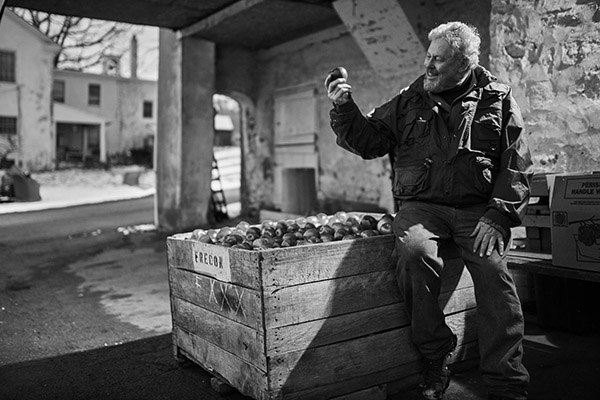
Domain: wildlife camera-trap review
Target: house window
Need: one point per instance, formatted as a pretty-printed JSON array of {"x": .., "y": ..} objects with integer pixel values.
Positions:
[
  {"x": 58, "y": 91},
  {"x": 147, "y": 109},
  {"x": 93, "y": 94},
  {"x": 8, "y": 125},
  {"x": 7, "y": 66}
]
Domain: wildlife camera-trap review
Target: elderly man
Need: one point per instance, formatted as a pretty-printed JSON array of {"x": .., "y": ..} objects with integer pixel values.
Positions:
[{"x": 461, "y": 176}]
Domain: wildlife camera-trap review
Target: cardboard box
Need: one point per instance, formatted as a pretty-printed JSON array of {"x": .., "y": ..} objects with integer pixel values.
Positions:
[
  {"x": 321, "y": 321},
  {"x": 575, "y": 207}
]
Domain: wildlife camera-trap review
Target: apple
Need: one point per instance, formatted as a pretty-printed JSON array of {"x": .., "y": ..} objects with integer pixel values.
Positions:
[
  {"x": 327, "y": 237},
  {"x": 243, "y": 226},
  {"x": 263, "y": 243},
  {"x": 353, "y": 226},
  {"x": 311, "y": 233},
  {"x": 369, "y": 233},
  {"x": 205, "y": 238},
  {"x": 252, "y": 234},
  {"x": 336, "y": 73},
  {"x": 280, "y": 228},
  {"x": 222, "y": 234},
  {"x": 385, "y": 219},
  {"x": 326, "y": 229},
  {"x": 386, "y": 228},
  {"x": 341, "y": 215},
  {"x": 212, "y": 233},
  {"x": 293, "y": 227},
  {"x": 338, "y": 225},
  {"x": 368, "y": 222},
  {"x": 289, "y": 236},
  {"x": 340, "y": 233}
]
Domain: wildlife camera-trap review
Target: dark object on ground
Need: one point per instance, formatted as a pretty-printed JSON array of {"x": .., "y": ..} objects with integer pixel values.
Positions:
[{"x": 19, "y": 186}]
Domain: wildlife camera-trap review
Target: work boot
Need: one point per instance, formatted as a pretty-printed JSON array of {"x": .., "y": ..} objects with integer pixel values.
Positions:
[{"x": 436, "y": 375}]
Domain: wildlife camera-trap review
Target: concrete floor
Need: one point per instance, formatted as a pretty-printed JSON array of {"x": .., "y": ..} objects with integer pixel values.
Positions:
[{"x": 562, "y": 365}]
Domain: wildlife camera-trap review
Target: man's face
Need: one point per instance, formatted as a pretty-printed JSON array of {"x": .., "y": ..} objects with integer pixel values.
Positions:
[{"x": 442, "y": 70}]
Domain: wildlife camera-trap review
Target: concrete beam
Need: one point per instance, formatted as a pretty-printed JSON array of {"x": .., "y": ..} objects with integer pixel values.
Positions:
[
  {"x": 185, "y": 134},
  {"x": 218, "y": 17},
  {"x": 386, "y": 36}
]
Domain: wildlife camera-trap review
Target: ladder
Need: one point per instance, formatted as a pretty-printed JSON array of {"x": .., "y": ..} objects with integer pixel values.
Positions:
[{"x": 217, "y": 198}]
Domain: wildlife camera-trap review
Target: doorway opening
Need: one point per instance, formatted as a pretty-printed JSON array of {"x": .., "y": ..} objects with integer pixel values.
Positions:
[{"x": 227, "y": 165}]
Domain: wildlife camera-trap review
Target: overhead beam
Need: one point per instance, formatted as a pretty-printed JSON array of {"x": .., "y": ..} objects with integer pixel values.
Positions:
[
  {"x": 218, "y": 17},
  {"x": 1, "y": 9},
  {"x": 386, "y": 37}
]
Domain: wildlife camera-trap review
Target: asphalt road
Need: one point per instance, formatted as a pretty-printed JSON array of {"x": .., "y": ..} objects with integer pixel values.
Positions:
[{"x": 62, "y": 222}]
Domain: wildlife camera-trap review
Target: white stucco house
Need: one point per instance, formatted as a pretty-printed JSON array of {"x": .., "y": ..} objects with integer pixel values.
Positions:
[
  {"x": 52, "y": 118},
  {"x": 27, "y": 134}
]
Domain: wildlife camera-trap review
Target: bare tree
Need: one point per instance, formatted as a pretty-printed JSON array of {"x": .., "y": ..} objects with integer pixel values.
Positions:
[{"x": 84, "y": 42}]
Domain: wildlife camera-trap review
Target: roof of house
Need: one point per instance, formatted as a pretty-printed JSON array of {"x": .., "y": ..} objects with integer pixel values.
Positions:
[
  {"x": 71, "y": 115},
  {"x": 30, "y": 28}
]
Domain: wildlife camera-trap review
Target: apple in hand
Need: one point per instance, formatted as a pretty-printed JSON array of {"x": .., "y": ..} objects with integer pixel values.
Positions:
[{"x": 336, "y": 73}]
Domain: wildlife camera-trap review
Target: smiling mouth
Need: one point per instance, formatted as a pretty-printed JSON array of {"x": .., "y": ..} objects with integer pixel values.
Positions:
[{"x": 431, "y": 75}]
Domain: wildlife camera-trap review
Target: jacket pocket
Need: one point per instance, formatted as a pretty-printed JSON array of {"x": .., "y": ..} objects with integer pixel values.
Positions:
[
  {"x": 416, "y": 126},
  {"x": 485, "y": 136},
  {"x": 411, "y": 179},
  {"x": 484, "y": 174}
]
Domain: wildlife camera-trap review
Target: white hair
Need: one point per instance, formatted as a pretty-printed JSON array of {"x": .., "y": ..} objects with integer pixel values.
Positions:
[{"x": 463, "y": 39}]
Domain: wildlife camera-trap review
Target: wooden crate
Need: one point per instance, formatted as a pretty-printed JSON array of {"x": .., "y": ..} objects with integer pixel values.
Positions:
[{"x": 311, "y": 322}]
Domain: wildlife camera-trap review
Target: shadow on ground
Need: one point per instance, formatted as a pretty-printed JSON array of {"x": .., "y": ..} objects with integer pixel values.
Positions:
[{"x": 142, "y": 369}]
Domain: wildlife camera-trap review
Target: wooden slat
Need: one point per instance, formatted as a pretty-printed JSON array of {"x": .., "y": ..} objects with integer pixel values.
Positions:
[
  {"x": 522, "y": 257},
  {"x": 321, "y": 299},
  {"x": 241, "y": 375},
  {"x": 325, "y": 331},
  {"x": 237, "y": 303},
  {"x": 238, "y": 339},
  {"x": 396, "y": 378},
  {"x": 244, "y": 265},
  {"x": 339, "y": 328},
  {"x": 304, "y": 264},
  {"x": 319, "y": 366},
  {"x": 294, "y": 304},
  {"x": 342, "y": 361}
]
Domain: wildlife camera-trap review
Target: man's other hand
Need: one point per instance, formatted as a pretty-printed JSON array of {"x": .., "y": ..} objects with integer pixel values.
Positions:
[{"x": 486, "y": 238}]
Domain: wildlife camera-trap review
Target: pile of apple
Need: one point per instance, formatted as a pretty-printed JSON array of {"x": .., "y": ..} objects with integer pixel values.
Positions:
[{"x": 320, "y": 228}]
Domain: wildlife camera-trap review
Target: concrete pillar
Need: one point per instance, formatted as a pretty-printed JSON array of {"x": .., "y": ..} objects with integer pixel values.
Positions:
[
  {"x": 185, "y": 134},
  {"x": 386, "y": 36}
]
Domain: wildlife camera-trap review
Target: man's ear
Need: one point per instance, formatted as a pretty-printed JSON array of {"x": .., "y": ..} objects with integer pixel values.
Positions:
[{"x": 464, "y": 65}]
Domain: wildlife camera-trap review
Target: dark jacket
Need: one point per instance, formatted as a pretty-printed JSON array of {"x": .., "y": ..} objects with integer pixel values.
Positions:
[{"x": 471, "y": 152}]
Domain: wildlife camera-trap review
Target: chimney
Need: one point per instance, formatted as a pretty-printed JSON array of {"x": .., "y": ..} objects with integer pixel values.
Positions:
[{"x": 134, "y": 57}]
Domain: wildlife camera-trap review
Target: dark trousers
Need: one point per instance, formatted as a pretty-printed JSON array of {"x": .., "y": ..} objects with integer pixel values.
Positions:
[{"x": 421, "y": 229}]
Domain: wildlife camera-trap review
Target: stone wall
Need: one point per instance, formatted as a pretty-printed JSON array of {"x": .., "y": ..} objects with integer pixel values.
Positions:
[{"x": 549, "y": 51}]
